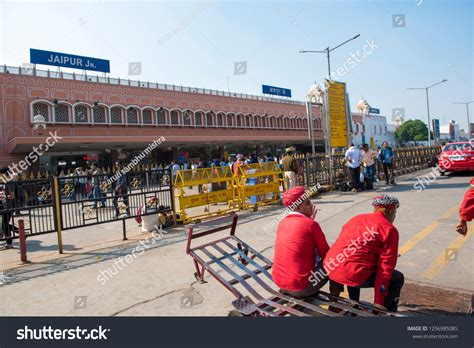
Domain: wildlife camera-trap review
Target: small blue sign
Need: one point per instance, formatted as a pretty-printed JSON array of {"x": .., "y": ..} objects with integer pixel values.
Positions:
[
  {"x": 284, "y": 92},
  {"x": 68, "y": 60},
  {"x": 374, "y": 111},
  {"x": 436, "y": 129}
]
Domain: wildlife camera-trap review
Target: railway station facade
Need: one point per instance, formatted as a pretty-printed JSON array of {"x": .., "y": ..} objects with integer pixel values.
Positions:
[{"x": 104, "y": 119}]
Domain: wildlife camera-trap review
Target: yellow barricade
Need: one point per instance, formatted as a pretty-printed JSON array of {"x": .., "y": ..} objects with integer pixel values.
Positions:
[
  {"x": 205, "y": 187},
  {"x": 259, "y": 184}
]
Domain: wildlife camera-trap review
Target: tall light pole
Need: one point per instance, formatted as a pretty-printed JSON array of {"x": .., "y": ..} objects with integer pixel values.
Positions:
[
  {"x": 428, "y": 106},
  {"x": 467, "y": 111},
  {"x": 328, "y": 50}
]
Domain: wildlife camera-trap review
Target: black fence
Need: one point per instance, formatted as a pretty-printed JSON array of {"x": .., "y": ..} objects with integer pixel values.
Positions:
[
  {"x": 72, "y": 201},
  {"x": 316, "y": 169}
]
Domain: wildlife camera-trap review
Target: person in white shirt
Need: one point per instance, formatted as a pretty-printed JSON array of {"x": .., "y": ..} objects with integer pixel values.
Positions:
[
  {"x": 174, "y": 168},
  {"x": 353, "y": 157},
  {"x": 149, "y": 215}
]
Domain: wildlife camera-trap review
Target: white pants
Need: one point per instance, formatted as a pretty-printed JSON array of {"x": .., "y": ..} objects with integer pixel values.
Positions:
[{"x": 290, "y": 180}]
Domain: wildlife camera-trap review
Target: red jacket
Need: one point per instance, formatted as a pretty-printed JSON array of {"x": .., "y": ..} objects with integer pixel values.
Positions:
[
  {"x": 299, "y": 244},
  {"x": 466, "y": 211},
  {"x": 368, "y": 243}
]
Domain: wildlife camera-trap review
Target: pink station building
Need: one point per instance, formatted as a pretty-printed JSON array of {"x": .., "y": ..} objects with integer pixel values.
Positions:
[{"x": 104, "y": 119}]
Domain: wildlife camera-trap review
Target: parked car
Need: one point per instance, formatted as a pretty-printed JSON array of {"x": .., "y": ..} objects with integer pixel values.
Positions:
[{"x": 457, "y": 156}]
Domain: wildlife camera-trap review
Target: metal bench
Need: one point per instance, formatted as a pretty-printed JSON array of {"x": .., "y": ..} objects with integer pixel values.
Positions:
[{"x": 246, "y": 273}]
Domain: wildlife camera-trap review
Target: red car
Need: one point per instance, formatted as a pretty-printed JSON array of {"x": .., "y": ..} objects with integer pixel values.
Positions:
[{"x": 458, "y": 156}]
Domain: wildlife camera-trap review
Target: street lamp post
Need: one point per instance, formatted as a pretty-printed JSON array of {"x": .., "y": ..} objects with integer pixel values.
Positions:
[
  {"x": 428, "y": 106},
  {"x": 467, "y": 112},
  {"x": 328, "y": 51}
]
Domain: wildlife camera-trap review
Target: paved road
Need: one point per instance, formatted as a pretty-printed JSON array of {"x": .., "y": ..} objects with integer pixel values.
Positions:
[{"x": 160, "y": 281}]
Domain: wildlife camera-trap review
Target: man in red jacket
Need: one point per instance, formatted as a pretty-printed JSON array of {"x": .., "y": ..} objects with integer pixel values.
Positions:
[
  {"x": 466, "y": 211},
  {"x": 365, "y": 255},
  {"x": 300, "y": 247}
]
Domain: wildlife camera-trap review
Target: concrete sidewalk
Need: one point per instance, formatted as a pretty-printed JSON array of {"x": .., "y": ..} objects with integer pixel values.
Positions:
[{"x": 161, "y": 282}]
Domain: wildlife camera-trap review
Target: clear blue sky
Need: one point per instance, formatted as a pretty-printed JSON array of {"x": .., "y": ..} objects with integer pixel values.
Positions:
[{"x": 197, "y": 42}]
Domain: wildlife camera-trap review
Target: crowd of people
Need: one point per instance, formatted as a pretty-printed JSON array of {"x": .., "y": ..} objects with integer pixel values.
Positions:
[{"x": 367, "y": 158}]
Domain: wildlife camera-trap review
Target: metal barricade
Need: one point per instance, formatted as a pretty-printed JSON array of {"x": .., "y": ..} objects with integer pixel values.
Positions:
[
  {"x": 54, "y": 204},
  {"x": 30, "y": 200},
  {"x": 208, "y": 188},
  {"x": 259, "y": 184}
]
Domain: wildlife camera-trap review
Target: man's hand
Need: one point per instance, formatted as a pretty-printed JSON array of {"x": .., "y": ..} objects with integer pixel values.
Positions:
[
  {"x": 314, "y": 211},
  {"x": 461, "y": 228}
]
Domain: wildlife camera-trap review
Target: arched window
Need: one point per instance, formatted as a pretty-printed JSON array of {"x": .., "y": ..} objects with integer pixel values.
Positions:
[
  {"x": 230, "y": 120},
  {"x": 146, "y": 116},
  {"x": 256, "y": 121},
  {"x": 315, "y": 124},
  {"x": 248, "y": 121},
  {"x": 287, "y": 122},
  {"x": 187, "y": 118},
  {"x": 116, "y": 115},
  {"x": 198, "y": 118},
  {"x": 160, "y": 116},
  {"x": 264, "y": 121},
  {"x": 239, "y": 120},
  {"x": 61, "y": 113},
  {"x": 209, "y": 119},
  {"x": 271, "y": 122},
  {"x": 220, "y": 119},
  {"x": 132, "y": 116},
  {"x": 174, "y": 117},
  {"x": 41, "y": 109},
  {"x": 98, "y": 113},
  {"x": 80, "y": 114},
  {"x": 305, "y": 123}
]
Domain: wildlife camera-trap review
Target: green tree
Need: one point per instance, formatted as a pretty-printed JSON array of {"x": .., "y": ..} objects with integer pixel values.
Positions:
[{"x": 412, "y": 130}]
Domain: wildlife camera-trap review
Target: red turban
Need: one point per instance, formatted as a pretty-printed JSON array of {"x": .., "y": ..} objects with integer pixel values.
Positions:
[
  {"x": 472, "y": 182},
  {"x": 293, "y": 195}
]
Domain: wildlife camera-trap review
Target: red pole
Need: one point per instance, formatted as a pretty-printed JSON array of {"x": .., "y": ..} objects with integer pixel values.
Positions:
[{"x": 21, "y": 230}]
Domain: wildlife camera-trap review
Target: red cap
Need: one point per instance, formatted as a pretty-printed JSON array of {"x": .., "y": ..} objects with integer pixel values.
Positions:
[
  {"x": 293, "y": 195},
  {"x": 472, "y": 182}
]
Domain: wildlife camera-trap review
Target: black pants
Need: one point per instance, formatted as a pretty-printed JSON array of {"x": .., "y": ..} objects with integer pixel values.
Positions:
[
  {"x": 355, "y": 177},
  {"x": 388, "y": 178},
  {"x": 7, "y": 227},
  {"x": 317, "y": 280},
  {"x": 121, "y": 192},
  {"x": 393, "y": 293}
]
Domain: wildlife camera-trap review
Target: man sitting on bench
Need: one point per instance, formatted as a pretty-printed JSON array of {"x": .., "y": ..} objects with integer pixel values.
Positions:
[
  {"x": 300, "y": 247},
  {"x": 365, "y": 255}
]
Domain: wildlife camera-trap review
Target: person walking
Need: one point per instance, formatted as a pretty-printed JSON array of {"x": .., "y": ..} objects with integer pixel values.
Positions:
[
  {"x": 368, "y": 159},
  {"x": 121, "y": 190},
  {"x": 386, "y": 157},
  {"x": 96, "y": 191},
  {"x": 7, "y": 197},
  {"x": 353, "y": 157},
  {"x": 290, "y": 168}
]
